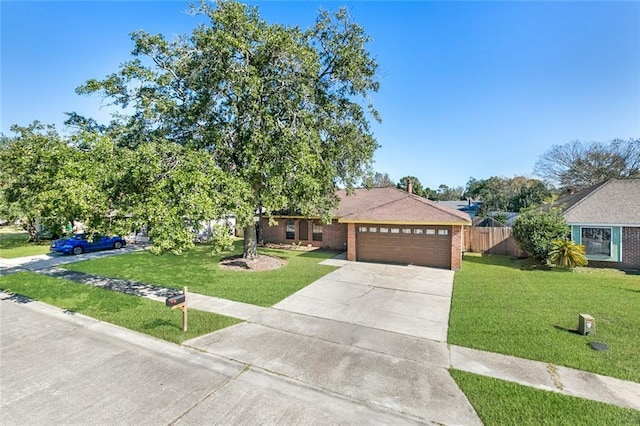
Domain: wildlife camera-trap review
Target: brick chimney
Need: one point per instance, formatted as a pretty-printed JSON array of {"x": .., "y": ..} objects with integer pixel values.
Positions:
[{"x": 409, "y": 186}]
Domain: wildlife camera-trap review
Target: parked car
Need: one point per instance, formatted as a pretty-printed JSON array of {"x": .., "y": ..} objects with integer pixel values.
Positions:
[{"x": 80, "y": 243}]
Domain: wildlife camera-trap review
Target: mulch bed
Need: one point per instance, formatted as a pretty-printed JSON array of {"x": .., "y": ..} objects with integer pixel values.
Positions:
[{"x": 262, "y": 263}]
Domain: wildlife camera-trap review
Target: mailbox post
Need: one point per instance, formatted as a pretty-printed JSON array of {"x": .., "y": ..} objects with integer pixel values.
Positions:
[{"x": 179, "y": 301}]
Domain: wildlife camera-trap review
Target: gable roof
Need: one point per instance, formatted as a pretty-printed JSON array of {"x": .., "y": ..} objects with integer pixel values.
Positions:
[
  {"x": 392, "y": 205},
  {"x": 614, "y": 202}
]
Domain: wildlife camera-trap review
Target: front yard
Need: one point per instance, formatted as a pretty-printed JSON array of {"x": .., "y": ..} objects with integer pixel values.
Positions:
[
  {"x": 198, "y": 270},
  {"x": 13, "y": 243},
  {"x": 502, "y": 305}
]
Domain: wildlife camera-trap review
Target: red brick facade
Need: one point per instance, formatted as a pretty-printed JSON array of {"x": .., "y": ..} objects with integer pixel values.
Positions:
[
  {"x": 334, "y": 236},
  {"x": 631, "y": 247},
  {"x": 351, "y": 242},
  {"x": 339, "y": 236},
  {"x": 456, "y": 247}
]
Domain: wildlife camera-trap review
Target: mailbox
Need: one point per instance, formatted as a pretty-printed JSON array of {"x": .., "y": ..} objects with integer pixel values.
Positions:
[{"x": 175, "y": 300}]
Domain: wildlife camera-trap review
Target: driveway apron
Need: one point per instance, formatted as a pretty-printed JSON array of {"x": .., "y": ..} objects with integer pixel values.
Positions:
[{"x": 371, "y": 333}]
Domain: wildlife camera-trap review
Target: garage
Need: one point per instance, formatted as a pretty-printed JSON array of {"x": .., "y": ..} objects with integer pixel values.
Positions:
[{"x": 423, "y": 245}]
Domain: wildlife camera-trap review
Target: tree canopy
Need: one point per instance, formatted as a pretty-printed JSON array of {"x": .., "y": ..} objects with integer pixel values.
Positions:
[
  {"x": 537, "y": 230},
  {"x": 276, "y": 110},
  {"x": 378, "y": 180},
  {"x": 507, "y": 194},
  {"x": 577, "y": 165}
]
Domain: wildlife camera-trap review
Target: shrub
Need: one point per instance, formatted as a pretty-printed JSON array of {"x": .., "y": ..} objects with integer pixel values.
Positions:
[
  {"x": 535, "y": 231},
  {"x": 567, "y": 254},
  {"x": 222, "y": 238}
]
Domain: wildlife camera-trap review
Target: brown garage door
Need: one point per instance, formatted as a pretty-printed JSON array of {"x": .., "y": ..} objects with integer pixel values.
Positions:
[{"x": 416, "y": 245}]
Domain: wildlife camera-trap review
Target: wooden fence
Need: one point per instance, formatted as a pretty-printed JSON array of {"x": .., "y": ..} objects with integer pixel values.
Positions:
[{"x": 492, "y": 241}]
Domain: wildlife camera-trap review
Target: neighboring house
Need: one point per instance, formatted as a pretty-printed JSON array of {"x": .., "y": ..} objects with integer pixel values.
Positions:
[
  {"x": 381, "y": 225},
  {"x": 605, "y": 218},
  {"x": 467, "y": 206}
]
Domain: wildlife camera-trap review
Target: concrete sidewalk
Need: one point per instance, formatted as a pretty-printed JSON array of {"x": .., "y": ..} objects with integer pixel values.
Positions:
[
  {"x": 362, "y": 334},
  {"x": 49, "y": 260},
  {"x": 65, "y": 368},
  {"x": 384, "y": 337}
]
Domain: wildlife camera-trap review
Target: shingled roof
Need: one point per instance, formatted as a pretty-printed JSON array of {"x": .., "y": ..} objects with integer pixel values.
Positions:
[
  {"x": 392, "y": 205},
  {"x": 614, "y": 202}
]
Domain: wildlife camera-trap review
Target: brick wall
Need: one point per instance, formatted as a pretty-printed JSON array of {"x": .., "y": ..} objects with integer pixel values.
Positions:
[
  {"x": 456, "y": 247},
  {"x": 334, "y": 236},
  {"x": 351, "y": 242},
  {"x": 631, "y": 247}
]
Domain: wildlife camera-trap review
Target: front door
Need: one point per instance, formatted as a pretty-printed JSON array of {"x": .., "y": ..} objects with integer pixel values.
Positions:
[{"x": 303, "y": 232}]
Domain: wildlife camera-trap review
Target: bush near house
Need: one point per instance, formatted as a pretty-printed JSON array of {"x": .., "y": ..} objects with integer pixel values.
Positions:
[
  {"x": 567, "y": 254},
  {"x": 535, "y": 231}
]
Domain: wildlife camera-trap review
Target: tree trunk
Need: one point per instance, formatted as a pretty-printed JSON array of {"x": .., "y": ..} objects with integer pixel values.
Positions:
[
  {"x": 250, "y": 242},
  {"x": 33, "y": 231},
  {"x": 260, "y": 238}
]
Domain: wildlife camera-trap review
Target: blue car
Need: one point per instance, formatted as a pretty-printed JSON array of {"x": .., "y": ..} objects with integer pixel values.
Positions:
[{"x": 78, "y": 244}]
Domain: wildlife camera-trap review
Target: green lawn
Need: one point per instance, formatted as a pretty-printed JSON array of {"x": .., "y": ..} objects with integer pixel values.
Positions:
[
  {"x": 13, "y": 243},
  {"x": 198, "y": 270},
  {"x": 132, "y": 312},
  {"x": 499, "y": 402},
  {"x": 500, "y": 307}
]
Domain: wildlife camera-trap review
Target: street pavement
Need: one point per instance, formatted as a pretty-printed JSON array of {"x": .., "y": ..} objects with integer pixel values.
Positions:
[{"x": 364, "y": 344}]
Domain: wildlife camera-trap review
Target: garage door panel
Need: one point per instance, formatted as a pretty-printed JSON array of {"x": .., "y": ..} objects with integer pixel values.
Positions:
[{"x": 416, "y": 249}]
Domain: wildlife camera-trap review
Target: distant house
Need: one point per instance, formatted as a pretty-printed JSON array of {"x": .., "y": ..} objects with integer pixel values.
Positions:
[
  {"x": 605, "y": 218},
  {"x": 380, "y": 225},
  {"x": 469, "y": 206}
]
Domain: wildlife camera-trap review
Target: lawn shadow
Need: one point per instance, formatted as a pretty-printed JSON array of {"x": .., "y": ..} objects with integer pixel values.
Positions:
[
  {"x": 160, "y": 323},
  {"x": 16, "y": 298},
  {"x": 567, "y": 330},
  {"x": 498, "y": 260},
  {"x": 322, "y": 253}
]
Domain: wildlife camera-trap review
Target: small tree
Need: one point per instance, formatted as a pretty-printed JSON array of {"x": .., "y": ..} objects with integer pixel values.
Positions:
[
  {"x": 535, "y": 231},
  {"x": 567, "y": 254}
]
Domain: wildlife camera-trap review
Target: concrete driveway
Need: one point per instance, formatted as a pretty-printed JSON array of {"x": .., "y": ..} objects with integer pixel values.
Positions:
[
  {"x": 370, "y": 333},
  {"x": 364, "y": 344}
]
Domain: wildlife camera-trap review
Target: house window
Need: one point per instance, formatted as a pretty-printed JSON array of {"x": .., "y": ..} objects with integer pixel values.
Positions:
[
  {"x": 373, "y": 229},
  {"x": 384, "y": 230},
  {"x": 431, "y": 232},
  {"x": 291, "y": 230},
  {"x": 316, "y": 230},
  {"x": 443, "y": 232},
  {"x": 597, "y": 241},
  {"x": 417, "y": 231}
]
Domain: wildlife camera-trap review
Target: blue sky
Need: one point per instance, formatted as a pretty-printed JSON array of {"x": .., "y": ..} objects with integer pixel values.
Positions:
[{"x": 468, "y": 89}]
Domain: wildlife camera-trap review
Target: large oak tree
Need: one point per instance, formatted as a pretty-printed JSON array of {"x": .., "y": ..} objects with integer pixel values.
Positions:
[
  {"x": 282, "y": 111},
  {"x": 577, "y": 165}
]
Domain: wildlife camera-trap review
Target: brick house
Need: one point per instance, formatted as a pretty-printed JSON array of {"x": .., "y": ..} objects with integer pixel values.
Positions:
[
  {"x": 385, "y": 225},
  {"x": 605, "y": 218}
]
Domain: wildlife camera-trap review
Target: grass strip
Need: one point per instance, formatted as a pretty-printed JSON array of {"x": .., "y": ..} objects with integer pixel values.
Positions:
[
  {"x": 14, "y": 244},
  {"x": 199, "y": 270},
  {"x": 499, "y": 402},
  {"x": 132, "y": 312},
  {"x": 500, "y": 307}
]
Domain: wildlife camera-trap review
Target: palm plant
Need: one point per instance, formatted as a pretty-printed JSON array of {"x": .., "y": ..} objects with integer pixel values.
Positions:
[{"x": 567, "y": 254}]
